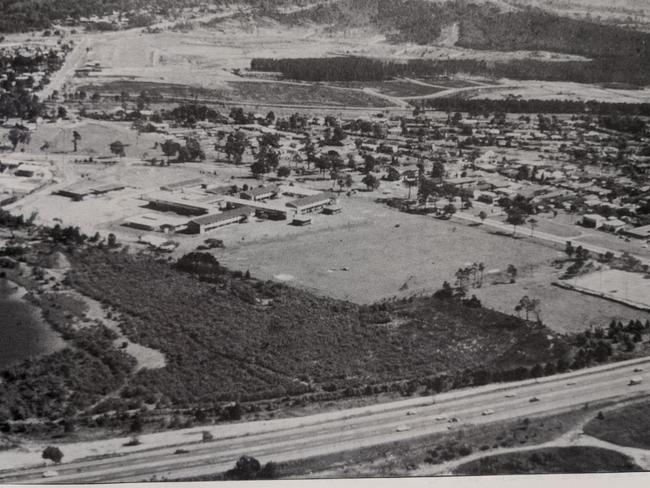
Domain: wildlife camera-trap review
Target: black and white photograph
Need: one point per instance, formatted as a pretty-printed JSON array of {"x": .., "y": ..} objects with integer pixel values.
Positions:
[{"x": 324, "y": 240}]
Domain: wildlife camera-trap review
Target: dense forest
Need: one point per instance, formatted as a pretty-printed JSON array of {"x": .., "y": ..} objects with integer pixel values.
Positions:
[
  {"x": 23, "y": 15},
  {"x": 620, "y": 70},
  {"x": 532, "y": 106}
]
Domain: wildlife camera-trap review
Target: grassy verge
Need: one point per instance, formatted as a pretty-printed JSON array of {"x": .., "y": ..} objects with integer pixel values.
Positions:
[
  {"x": 626, "y": 426},
  {"x": 403, "y": 458},
  {"x": 574, "y": 459}
]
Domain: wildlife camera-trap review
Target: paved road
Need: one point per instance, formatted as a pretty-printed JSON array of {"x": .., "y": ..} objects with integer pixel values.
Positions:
[
  {"x": 361, "y": 427},
  {"x": 543, "y": 235}
]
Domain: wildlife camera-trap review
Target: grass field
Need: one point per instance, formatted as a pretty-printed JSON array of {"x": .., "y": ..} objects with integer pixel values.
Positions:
[
  {"x": 616, "y": 285},
  {"x": 394, "y": 88},
  {"x": 405, "y": 254},
  {"x": 551, "y": 460},
  {"x": 247, "y": 91},
  {"x": 626, "y": 426}
]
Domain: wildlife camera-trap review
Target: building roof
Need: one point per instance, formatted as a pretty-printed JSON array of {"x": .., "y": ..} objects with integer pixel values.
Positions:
[
  {"x": 220, "y": 217},
  {"x": 643, "y": 231},
  {"x": 322, "y": 198},
  {"x": 182, "y": 184},
  {"x": 262, "y": 190}
]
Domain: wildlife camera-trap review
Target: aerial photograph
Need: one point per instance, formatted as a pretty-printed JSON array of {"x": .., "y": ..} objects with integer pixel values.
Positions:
[{"x": 323, "y": 239}]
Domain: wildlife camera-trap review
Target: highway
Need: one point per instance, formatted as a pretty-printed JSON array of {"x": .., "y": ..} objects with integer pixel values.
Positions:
[{"x": 356, "y": 428}]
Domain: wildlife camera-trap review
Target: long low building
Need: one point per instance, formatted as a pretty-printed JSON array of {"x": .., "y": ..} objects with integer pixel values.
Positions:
[
  {"x": 311, "y": 204},
  {"x": 157, "y": 222},
  {"x": 182, "y": 203},
  {"x": 201, "y": 225}
]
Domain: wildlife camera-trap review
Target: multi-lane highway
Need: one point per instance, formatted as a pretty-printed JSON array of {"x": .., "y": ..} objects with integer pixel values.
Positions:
[{"x": 340, "y": 431}]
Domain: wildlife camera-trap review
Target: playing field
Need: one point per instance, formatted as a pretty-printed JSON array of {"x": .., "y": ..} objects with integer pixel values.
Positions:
[
  {"x": 371, "y": 252},
  {"x": 616, "y": 285}
]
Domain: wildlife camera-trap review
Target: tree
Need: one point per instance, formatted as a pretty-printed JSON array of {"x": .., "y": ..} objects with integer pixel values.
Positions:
[
  {"x": 19, "y": 135},
  {"x": 236, "y": 144},
  {"x": 512, "y": 272},
  {"x": 482, "y": 215},
  {"x": 53, "y": 454},
  {"x": 371, "y": 182},
  {"x": 515, "y": 217},
  {"x": 170, "y": 148},
  {"x": 76, "y": 137},
  {"x": 569, "y": 249},
  {"x": 112, "y": 240},
  {"x": 410, "y": 183},
  {"x": 348, "y": 181},
  {"x": 449, "y": 210},
  {"x": 192, "y": 151},
  {"x": 117, "y": 148},
  {"x": 284, "y": 171},
  {"x": 438, "y": 170}
]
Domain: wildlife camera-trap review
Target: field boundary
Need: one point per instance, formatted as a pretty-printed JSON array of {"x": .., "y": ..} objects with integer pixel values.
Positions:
[{"x": 587, "y": 291}]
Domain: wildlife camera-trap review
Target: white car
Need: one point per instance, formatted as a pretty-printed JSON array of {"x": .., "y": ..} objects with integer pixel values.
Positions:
[
  {"x": 511, "y": 395},
  {"x": 403, "y": 428},
  {"x": 441, "y": 417},
  {"x": 489, "y": 411},
  {"x": 635, "y": 381},
  {"x": 50, "y": 474},
  {"x": 411, "y": 412}
]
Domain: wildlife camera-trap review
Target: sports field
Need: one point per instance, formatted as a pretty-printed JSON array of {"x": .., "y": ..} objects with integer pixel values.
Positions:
[{"x": 371, "y": 252}]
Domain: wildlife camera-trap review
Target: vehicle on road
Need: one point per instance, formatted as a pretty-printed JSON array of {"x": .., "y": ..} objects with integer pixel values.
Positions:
[
  {"x": 50, "y": 474},
  {"x": 571, "y": 383},
  {"x": 403, "y": 428},
  {"x": 635, "y": 381},
  {"x": 533, "y": 400},
  {"x": 453, "y": 420},
  {"x": 638, "y": 370},
  {"x": 441, "y": 417},
  {"x": 181, "y": 451},
  {"x": 411, "y": 412},
  {"x": 511, "y": 395},
  {"x": 489, "y": 411}
]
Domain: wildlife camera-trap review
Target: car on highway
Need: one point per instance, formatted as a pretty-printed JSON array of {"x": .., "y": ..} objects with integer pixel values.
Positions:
[
  {"x": 489, "y": 411},
  {"x": 441, "y": 417},
  {"x": 50, "y": 474},
  {"x": 511, "y": 395},
  {"x": 638, "y": 370},
  {"x": 411, "y": 412},
  {"x": 453, "y": 420},
  {"x": 571, "y": 383},
  {"x": 403, "y": 428},
  {"x": 635, "y": 381},
  {"x": 181, "y": 451},
  {"x": 533, "y": 400}
]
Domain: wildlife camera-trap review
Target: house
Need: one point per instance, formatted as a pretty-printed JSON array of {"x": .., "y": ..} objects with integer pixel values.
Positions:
[
  {"x": 261, "y": 193},
  {"x": 201, "y": 225},
  {"x": 314, "y": 203}
]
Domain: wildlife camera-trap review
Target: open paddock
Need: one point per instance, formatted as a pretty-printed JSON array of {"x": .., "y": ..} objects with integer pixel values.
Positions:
[{"x": 371, "y": 252}]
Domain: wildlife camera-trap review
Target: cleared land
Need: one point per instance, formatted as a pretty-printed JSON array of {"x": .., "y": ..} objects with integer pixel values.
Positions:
[
  {"x": 367, "y": 254},
  {"x": 628, "y": 426},
  {"x": 551, "y": 460},
  {"x": 263, "y": 92},
  {"x": 616, "y": 285}
]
